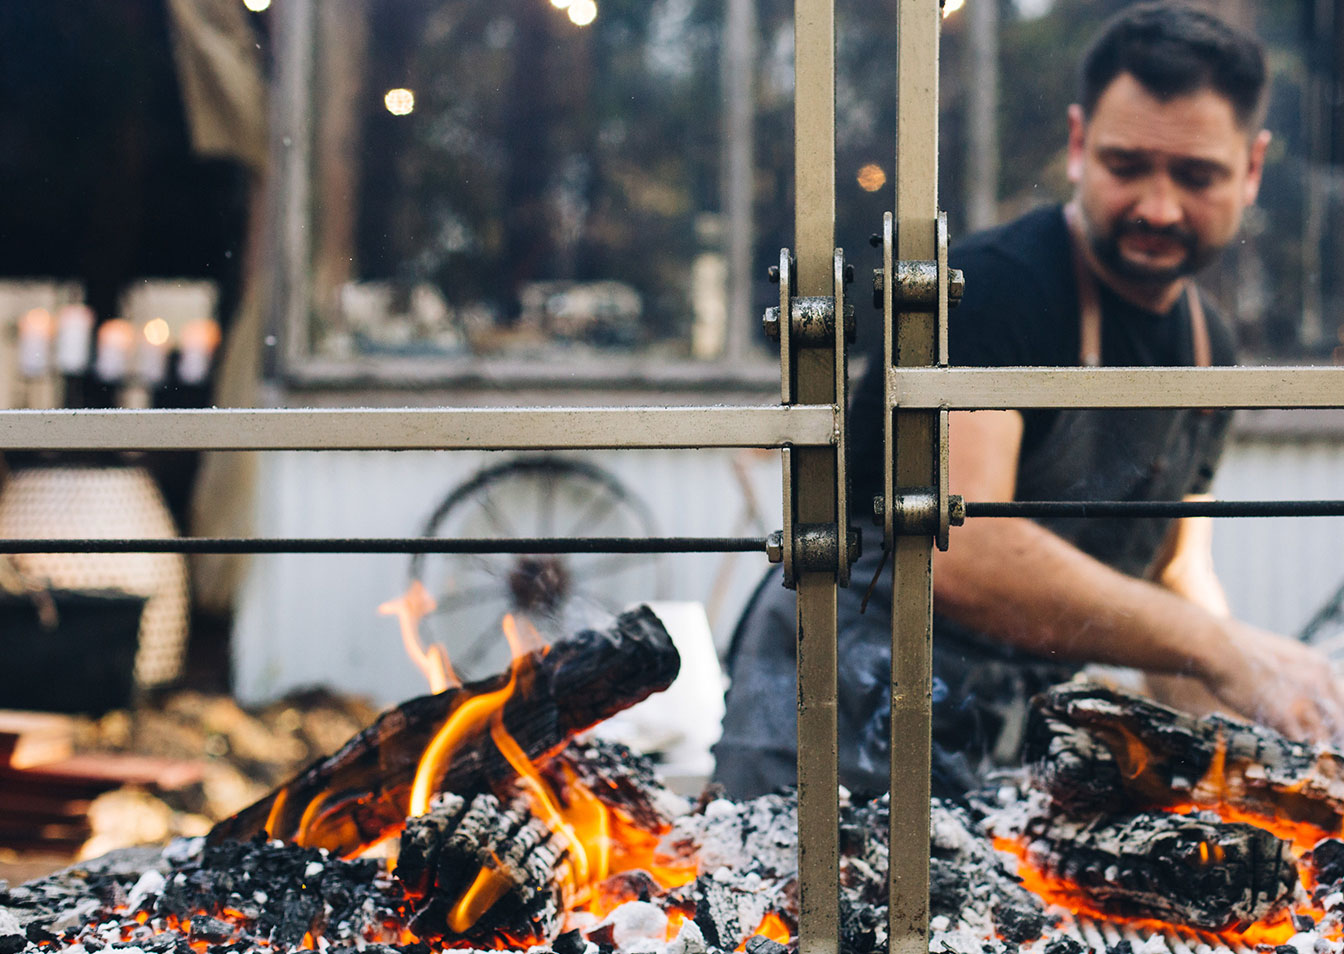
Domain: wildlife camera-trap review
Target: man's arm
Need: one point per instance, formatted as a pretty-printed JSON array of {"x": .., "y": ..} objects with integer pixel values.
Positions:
[{"x": 1015, "y": 581}]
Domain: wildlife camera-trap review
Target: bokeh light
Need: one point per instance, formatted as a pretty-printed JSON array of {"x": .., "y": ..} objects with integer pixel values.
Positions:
[
  {"x": 257, "y": 6},
  {"x": 871, "y": 177},
  {"x": 582, "y": 12},
  {"x": 952, "y": 6},
  {"x": 399, "y": 102},
  {"x": 157, "y": 332},
  {"x": 561, "y": 4}
]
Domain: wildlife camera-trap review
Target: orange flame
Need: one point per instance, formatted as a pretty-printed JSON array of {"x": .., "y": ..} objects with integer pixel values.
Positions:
[
  {"x": 469, "y": 717},
  {"x": 771, "y": 926},
  {"x": 409, "y": 609}
]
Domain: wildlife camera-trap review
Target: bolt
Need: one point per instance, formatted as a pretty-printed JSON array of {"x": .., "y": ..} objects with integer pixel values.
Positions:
[
  {"x": 956, "y": 285},
  {"x": 774, "y": 547},
  {"x": 875, "y": 240},
  {"x": 879, "y": 282},
  {"x": 773, "y": 274},
  {"x": 879, "y": 508},
  {"x": 770, "y": 322},
  {"x": 849, "y": 274},
  {"x": 854, "y": 545},
  {"x": 956, "y": 509}
]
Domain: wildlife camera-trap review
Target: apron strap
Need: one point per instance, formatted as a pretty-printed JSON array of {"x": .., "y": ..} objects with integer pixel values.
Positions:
[{"x": 1089, "y": 305}]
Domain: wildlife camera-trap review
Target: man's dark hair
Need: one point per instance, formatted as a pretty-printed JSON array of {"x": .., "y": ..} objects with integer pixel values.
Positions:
[{"x": 1175, "y": 49}]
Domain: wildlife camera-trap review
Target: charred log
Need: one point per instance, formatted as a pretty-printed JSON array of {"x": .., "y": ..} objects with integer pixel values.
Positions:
[
  {"x": 482, "y": 873},
  {"x": 1097, "y": 750},
  {"x": 1195, "y": 870},
  {"x": 359, "y": 795}
]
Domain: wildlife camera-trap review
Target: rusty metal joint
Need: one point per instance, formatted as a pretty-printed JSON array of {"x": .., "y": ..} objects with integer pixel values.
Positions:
[
  {"x": 916, "y": 287},
  {"x": 814, "y": 547},
  {"x": 916, "y": 511},
  {"x": 813, "y": 320}
]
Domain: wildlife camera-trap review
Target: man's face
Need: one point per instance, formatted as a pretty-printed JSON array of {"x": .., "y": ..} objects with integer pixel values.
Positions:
[{"x": 1162, "y": 185}]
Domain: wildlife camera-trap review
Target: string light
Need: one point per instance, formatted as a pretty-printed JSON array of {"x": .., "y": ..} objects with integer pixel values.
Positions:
[
  {"x": 399, "y": 102},
  {"x": 871, "y": 177},
  {"x": 582, "y": 12}
]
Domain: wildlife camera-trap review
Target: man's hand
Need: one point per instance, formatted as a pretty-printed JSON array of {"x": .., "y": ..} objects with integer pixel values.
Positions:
[{"x": 1277, "y": 681}]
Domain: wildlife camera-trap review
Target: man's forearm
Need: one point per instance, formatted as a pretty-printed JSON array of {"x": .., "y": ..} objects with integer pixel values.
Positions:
[{"x": 1017, "y": 582}]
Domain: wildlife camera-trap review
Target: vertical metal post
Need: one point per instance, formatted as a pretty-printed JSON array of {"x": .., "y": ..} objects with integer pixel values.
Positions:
[
  {"x": 912, "y": 440},
  {"x": 814, "y": 483}
]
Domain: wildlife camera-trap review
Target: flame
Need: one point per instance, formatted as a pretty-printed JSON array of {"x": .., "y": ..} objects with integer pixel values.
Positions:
[
  {"x": 489, "y": 886},
  {"x": 409, "y": 609},
  {"x": 773, "y": 927}
]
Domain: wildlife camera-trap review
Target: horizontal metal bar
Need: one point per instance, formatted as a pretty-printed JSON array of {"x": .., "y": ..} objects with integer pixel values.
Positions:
[
  {"x": 1156, "y": 508},
  {"x": 1024, "y": 388},
  {"x": 389, "y": 545},
  {"x": 520, "y": 428}
]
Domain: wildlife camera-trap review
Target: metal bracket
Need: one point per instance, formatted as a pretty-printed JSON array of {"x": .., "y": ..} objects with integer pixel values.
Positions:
[
  {"x": 921, "y": 286},
  {"x": 812, "y": 322}
]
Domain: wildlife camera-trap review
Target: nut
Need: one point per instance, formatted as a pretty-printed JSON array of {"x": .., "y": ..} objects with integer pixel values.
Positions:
[{"x": 774, "y": 547}]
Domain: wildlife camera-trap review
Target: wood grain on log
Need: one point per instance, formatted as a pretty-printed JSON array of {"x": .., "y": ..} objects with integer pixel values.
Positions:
[
  {"x": 478, "y": 872},
  {"x": 359, "y": 795},
  {"x": 1095, "y": 749},
  {"x": 1194, "y": 869}
]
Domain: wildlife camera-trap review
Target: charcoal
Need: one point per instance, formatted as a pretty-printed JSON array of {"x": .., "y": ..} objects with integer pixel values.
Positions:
[
  {"x": 1303, "y": 922},
  {"x": 571, "y": 942},
  {"x": 1327, "y": 859},
  {"x": 760, "y": 944},
  {"x": 457, "y": 844},
  {"x": 949, "y": 887},
  {"x": 1120, "y": 947},
  {"x": 726, "y": 915},
  {"x": 1019, "y": 923},
  {"x": 1095, "y": 749},
  {"x": 1195, "y": 870},
  {"x": 626, "y": 780},
  {"x": 1064, "y": 945},
  {"x": 357, "y": 796}
]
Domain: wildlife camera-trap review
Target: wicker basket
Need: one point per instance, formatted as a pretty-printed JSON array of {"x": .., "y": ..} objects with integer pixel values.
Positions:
[{"x": 114, "y": 502}]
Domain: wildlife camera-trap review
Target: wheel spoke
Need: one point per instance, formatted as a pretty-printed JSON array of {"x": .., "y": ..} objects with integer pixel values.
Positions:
[
  {"x": 601, "y": 505},
  {"x": 546, "y": 506},
  {"x": 493, "y": 514},
  {"x": 611, "y": 565},
  {"x": 470, "y": 595}
]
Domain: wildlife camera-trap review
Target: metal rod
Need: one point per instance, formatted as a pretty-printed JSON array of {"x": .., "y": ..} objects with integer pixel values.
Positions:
[
  {"x": 814, "y": 484},
  {"x": 1026, "y": 388},
  {"x": 521, "y": 428},
  {"x": 913, "y": 441},
  {"x": 1156, "y": 508},
  {"x": 386, "y": 545}
]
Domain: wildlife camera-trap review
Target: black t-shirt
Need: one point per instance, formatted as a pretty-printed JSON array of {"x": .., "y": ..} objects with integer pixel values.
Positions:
[{"x": 1020, "y": 308}]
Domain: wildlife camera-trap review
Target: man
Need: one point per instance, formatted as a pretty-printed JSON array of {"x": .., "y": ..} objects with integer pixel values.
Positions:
[{"x": 1165, "y": 151}]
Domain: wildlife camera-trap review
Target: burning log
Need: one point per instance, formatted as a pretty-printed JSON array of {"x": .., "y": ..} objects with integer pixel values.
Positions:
[
  {"x": 362, "y": 793},
  {"x": 1190, "y": 869},
  {"x": 1097, "y": 750},
  {"x": 482, "y": 873}
]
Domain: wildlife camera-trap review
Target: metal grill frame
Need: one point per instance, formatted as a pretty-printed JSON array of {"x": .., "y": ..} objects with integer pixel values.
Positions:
[{"x": 919, "y": 393}]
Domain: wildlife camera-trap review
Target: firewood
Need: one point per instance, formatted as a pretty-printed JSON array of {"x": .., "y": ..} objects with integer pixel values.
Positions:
[
  {"x": 1193, "y": 869},
  {"x": 360, "y": 795},
  {"x": 1094, "y": 749},
  {"x": 481, "y": 873}
]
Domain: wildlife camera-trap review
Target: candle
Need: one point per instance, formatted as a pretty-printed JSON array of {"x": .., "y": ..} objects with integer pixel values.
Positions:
[
  {"x": 151, "y": 358},
  {"x": 200, "y": 338},
  {"x": 74, "y": 329},
  {"x": 35, "y": 332},
  {"x": 116, "y": 338}
]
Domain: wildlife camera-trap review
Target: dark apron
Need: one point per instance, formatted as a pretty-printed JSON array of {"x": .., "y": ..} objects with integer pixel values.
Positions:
[{"x": 981, "y": 687}]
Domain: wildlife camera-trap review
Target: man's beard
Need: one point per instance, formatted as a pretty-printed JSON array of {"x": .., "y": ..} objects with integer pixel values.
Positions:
[{"x": 1106, "y": 247}]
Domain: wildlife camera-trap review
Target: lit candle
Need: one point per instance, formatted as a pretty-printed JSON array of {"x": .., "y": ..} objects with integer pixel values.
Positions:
[
  {"x": 151, "y": 358},
  {"x": 200, "y": 338},
  {"x": 74, "y": 329},
  {"x": 35, "y": 332},
  {"x": 116, "y": 338}
]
